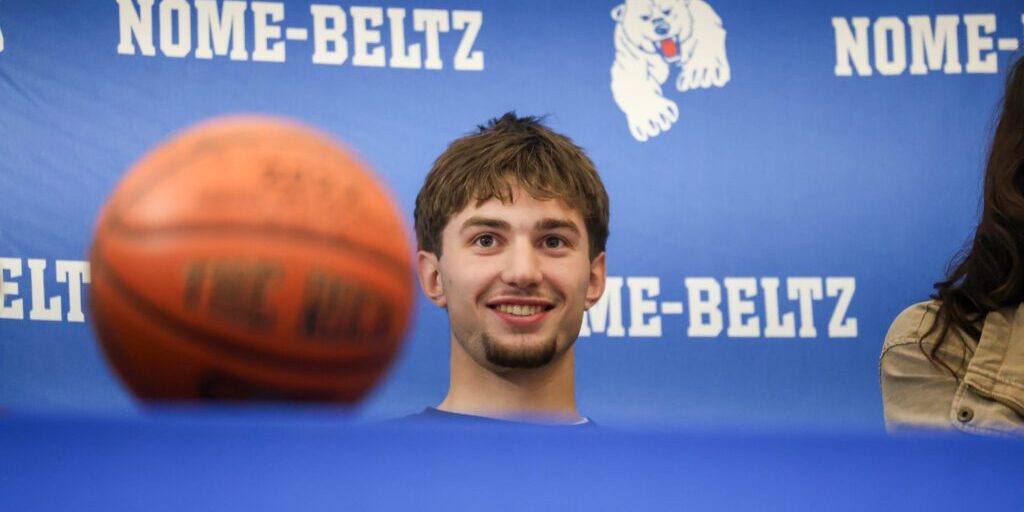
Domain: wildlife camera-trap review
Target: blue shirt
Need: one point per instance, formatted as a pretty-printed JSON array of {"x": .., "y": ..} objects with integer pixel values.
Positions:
[{"x": 433, "y": 414}]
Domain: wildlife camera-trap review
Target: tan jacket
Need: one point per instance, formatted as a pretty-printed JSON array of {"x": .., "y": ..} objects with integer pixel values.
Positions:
[{"x": 987, "y": 396}]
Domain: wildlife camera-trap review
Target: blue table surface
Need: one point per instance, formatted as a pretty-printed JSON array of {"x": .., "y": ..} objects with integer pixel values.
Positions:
[{"x": 286, "y": 460}]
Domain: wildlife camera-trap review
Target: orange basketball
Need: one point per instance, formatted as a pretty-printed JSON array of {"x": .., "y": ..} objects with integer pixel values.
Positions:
[{"x": 250, "y": 258}]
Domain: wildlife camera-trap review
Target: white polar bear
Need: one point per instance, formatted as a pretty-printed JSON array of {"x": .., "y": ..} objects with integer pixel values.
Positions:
[{"x": 649, "y": 36}]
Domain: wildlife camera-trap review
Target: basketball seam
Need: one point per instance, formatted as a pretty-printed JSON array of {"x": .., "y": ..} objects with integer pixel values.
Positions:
[{"x": 338, "y": 242}]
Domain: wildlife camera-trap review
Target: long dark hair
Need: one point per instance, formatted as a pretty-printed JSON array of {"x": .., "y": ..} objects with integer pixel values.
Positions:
[{"x": 990, "y": 275}]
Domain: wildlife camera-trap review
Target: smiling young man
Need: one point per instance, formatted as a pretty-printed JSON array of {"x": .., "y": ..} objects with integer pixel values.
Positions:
[{"x": 511, "y": 224}]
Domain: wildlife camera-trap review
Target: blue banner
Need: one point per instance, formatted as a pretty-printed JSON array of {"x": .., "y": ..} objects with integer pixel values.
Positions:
[{"x": 784, "y": 178}]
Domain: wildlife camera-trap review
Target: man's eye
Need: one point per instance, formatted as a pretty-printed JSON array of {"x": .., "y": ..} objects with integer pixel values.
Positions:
[
  {"x": 553, "y": 242},
  {"x": 485, "y": 241}
]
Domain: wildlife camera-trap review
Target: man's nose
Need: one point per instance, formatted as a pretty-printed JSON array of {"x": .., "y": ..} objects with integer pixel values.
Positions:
[{"x": 522, "y": 267}]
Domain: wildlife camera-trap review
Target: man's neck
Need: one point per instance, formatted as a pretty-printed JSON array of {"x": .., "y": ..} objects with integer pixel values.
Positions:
[{"x": 545, "y": 394}]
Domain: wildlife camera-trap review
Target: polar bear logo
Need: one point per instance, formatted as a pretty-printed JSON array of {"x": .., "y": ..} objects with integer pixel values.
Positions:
[{"x": 651, "y": 36}]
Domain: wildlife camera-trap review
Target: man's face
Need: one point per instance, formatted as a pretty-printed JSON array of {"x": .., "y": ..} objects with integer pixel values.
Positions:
[{"x": 515, "y": 278}]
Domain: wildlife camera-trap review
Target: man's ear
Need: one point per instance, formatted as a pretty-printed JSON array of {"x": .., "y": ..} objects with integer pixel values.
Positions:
[
  {"x": 428, "y": 265},
  {"x": 598, "y": 274}
]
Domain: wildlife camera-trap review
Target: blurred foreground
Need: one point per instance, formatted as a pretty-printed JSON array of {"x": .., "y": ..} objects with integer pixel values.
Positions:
[{"x": 300, "y": 459}]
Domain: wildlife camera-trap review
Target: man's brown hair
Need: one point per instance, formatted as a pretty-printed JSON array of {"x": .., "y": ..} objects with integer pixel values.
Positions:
[{"x": 505, "y": 152}]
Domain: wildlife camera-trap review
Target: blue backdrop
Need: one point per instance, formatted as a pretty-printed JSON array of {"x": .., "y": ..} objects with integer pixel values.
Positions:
[{"x": 836, "y": 154}]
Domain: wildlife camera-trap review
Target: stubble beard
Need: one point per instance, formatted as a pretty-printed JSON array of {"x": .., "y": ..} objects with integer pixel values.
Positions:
[{"x": 519, "y": 357}]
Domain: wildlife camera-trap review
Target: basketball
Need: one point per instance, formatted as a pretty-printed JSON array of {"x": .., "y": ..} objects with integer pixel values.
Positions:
[{"x": 250, "y": 258}]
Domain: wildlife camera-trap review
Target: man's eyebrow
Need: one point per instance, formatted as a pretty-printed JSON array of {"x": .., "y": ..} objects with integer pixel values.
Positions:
[
  {"x": 552, "y": 224},
  {"x": 477, "y": 221}
]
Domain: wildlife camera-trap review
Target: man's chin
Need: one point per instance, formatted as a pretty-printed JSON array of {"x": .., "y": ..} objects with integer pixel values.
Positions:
[{"x": 519, "y": 355}]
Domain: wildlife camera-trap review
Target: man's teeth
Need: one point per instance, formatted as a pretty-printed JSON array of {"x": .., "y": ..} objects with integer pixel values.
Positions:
[{"x": 518, "y": 310}]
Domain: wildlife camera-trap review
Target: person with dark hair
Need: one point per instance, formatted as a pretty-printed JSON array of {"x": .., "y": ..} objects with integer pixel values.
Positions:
[
  {"x": 957, "y": 361},
  {"x": 511, "y": 225}
]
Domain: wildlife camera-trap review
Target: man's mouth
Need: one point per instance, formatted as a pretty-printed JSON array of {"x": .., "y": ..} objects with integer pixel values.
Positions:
[{"x": 520, "y": 310}]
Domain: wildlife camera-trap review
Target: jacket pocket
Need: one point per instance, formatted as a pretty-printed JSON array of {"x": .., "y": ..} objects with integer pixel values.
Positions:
[{"x": 977, "y": 412}]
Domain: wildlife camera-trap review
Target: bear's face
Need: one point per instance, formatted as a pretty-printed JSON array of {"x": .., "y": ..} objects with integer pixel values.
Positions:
[{"x": 649, "y": 21}]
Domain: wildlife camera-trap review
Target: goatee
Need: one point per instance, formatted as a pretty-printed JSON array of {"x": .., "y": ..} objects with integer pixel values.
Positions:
[{"x": 525, "y": 357}]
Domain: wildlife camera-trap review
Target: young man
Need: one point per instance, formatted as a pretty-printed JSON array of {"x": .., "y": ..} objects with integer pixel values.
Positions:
[{"x": 511, "y": 224}]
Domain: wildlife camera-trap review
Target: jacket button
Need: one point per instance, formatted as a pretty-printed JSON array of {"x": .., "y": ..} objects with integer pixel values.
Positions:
[{"x": 965, "y": 414}]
